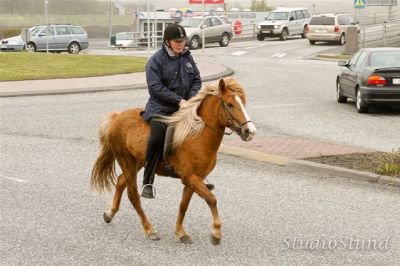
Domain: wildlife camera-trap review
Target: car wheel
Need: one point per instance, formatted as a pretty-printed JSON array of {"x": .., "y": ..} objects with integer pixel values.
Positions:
[
  {"x": 339, "y": 93},
  {"x": 304, "y": 34},
  {"x": 284, "y": 34},
  {"x": 260, "y": 37},
  {"x": 311, "y": 42},
  {"x": 31, "y": 47},
  {"x": 74, "y": 48},
  {"x": 194, "y": 43},
  {"x": 342, "y": 39},
  {"x": 361, "y": 107},
  {"x": 224, "y": 40}
]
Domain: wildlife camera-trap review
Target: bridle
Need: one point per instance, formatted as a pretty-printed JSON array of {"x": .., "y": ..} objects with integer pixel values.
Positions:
[{"x": 233, "y": 124}]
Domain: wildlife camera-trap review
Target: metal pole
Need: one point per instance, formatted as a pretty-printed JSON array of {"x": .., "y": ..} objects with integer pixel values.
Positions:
[
  {"x": 203, "y": 44},
  {"x": 110, "y": 22},
  {"x": 46, "y": 23},
  {"x": 148, "y": 28}
]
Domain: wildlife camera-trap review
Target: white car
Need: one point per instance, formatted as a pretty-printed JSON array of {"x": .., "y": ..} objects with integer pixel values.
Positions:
[
  {"x": 284, "y": 22},
  {"x": 216, "y": 29}
]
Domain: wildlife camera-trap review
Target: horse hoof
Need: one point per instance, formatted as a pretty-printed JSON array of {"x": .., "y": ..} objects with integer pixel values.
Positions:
[
  {"x": 107, "y": 218},
  {"x": 187, "y": 240},
  {"x": 215, "y": 241},
  {"x": 153, "y": 236}
]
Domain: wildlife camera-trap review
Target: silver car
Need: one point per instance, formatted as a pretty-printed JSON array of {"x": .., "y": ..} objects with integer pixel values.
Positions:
[
  {"x": 329, "y": 28},
  {"x": 216, "y": 29},
  {"x": 55, "y": 38}
]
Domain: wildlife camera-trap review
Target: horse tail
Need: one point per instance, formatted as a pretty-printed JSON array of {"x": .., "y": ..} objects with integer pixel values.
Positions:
[{"x": 103, "y": 172}]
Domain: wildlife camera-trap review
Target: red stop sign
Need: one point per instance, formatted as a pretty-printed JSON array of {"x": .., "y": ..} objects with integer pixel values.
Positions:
[{"x": 237, "y": 27}]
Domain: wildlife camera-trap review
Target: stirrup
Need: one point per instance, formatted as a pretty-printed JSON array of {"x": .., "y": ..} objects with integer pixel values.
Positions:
[{"x": 148, "y": 191}]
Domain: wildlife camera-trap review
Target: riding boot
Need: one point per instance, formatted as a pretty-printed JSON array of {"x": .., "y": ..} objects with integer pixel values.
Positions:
[{"x": 153, "y": 155}]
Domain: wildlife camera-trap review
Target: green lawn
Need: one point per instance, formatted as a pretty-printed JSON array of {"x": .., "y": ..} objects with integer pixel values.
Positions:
[{"x": 30, "y": 66}]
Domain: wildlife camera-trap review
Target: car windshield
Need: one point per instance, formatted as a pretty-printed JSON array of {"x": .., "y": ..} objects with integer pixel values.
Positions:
[
  {"x": 35, "y": 30},
  {"x": 322, "y": 21},
  {"x": 191, "y": 23},
  {"x": 278, "y": 16},
  {"x": 384, "y": 59}
]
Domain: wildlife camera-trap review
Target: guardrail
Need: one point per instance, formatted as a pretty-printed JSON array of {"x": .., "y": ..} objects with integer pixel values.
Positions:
[{"x": 386, "y": 34}]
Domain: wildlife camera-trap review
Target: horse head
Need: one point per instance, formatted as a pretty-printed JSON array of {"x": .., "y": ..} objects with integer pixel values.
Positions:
[{"x": 235, "y": 116}]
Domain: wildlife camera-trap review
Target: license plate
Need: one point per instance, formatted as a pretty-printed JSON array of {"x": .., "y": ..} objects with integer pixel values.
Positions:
[
  {"x": 320, "y": 31},
  {"x": 396, "y": 81}
]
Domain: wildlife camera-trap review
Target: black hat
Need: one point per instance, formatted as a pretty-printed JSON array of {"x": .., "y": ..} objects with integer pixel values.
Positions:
[{"x": 174, "y": 32}]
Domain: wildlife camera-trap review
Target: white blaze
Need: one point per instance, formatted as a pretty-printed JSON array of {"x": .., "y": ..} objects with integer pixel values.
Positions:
[{"x": 250, "y": 125}]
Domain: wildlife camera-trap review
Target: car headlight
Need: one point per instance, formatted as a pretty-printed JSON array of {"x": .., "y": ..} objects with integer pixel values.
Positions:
[
  {"x": 258, "y": 27},
  {"x": 276, "y": 27}
]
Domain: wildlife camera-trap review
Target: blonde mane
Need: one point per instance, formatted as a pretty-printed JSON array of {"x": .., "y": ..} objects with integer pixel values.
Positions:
[{"x": 186, "y": 121}]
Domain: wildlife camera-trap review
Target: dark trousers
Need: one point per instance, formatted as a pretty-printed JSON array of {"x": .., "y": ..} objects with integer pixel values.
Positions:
[{"x": 155, "y": 148}]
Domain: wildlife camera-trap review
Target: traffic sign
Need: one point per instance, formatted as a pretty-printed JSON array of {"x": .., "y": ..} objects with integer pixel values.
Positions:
[{"x": 359, "y": 3}]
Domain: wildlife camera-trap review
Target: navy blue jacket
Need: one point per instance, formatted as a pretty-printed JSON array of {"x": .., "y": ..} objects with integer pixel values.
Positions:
[{"x": 170, "y": 79}]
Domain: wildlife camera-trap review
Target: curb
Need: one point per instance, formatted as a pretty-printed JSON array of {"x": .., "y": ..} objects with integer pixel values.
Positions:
[
  {"x": 216, "y": 76},
  {"x": 309, "y": 166}
]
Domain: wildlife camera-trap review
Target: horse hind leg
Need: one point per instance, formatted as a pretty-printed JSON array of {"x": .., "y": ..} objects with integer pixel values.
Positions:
[
  {"x": 119, "y": 190},
  {"x": 179, "y": 229},
  {"x": 130, "y": 169}
]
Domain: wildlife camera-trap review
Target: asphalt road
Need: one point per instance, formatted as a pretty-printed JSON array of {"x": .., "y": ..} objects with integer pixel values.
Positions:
[
  {"x": 292, "y": 95},
  {"x": 270, "y": 215}
]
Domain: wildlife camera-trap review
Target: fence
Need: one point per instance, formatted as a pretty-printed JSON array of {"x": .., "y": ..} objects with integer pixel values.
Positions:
[{"x": 386, "y": 34}]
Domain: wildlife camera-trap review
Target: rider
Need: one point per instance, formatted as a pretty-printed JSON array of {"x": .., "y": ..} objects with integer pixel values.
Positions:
[{"x": 172, "y": 78}]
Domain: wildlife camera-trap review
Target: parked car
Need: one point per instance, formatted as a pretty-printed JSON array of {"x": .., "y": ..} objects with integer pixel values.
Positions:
[
  {"x": 70, "y": 38},
  {"x": 284, "y": 22},
  {"x": 329, "y": 28},
  {"x": 12, "y": 44},
  {"x": 372, "y": 76},
  {"x": 216, "y": 29}
]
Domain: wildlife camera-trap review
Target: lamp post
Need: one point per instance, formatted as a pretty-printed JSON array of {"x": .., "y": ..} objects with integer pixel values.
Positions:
[
  {"x": 45, "y": 2},
  {"x": 202, "y": 30},
  {"x": 110, "y": 22}
]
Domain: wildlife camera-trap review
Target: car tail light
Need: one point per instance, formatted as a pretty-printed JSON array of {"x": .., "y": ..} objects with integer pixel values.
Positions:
[
  {"x": 307, "y": 29},
  {"x": 376, "y": 80},
  {"x": 336, "y": 29}
]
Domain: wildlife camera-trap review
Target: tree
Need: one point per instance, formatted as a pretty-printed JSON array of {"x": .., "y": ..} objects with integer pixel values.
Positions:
[{"x": 259, "y": 6}]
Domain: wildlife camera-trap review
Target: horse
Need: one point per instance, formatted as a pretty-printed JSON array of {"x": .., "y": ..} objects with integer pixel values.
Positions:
[{"x": 199, "y": 130}]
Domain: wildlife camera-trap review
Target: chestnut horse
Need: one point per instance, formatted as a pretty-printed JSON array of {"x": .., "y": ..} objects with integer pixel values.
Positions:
[{"x": 199, "y": 129}]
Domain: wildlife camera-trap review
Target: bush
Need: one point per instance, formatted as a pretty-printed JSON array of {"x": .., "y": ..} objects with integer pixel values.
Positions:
[{"x": 389, "y": 164}]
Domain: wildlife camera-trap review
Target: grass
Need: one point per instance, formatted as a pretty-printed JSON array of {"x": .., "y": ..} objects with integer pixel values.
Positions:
[
  {"x": 33, "y": 66},
  {"x": 389, "y": 164}
]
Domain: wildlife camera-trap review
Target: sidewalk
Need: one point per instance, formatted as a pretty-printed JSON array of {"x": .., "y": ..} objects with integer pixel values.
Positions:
[{"x": 281, "y": 150}]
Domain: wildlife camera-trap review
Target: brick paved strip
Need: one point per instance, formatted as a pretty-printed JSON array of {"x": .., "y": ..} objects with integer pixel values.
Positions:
[{"x": 294, "y": 148}]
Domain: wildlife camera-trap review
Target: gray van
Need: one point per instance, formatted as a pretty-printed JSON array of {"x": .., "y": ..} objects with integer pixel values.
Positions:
[{"x": 284, "y": 22}]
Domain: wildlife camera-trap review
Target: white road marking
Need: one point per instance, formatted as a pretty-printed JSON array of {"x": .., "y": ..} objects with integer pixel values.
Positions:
[
  {"x": 276, "y": 105},
  {"x": 280, "y": 55},
  {"x": 14, "y": 179},
  {"x": 238, "y": 53},
  {"x": 254, "y": 47}
]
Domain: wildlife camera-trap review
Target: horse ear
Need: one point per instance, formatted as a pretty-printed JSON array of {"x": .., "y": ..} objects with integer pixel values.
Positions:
[{"x": 222, "y": 85}]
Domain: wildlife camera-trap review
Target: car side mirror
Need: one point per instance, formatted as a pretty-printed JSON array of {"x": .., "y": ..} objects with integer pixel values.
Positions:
[
  {"x": 42, "y": 34},
  {"x": 343, "y": 63},
  {"x": 291, "y": 18},
  {"x": 204, "y": 26}
]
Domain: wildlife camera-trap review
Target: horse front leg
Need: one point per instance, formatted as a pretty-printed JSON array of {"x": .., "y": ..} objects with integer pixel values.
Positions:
[
  {"x": 179, "y": 229},
  {"x": 119, "y": 189},
  {"x": 196, "y": 183}
]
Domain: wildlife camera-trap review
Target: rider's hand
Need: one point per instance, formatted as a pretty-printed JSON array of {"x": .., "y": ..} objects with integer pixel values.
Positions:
[{"x": 183, "y": 103}]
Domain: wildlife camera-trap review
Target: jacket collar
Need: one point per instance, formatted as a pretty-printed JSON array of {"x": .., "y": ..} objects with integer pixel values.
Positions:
[{"x": 171, "y": 53}]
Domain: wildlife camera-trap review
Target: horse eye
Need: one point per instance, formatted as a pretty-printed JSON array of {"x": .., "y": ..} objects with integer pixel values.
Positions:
[{"x": 230, "y": 105}]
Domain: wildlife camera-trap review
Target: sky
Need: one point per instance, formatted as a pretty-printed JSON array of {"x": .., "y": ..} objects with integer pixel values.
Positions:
[{"x": 316, "y": 6}]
